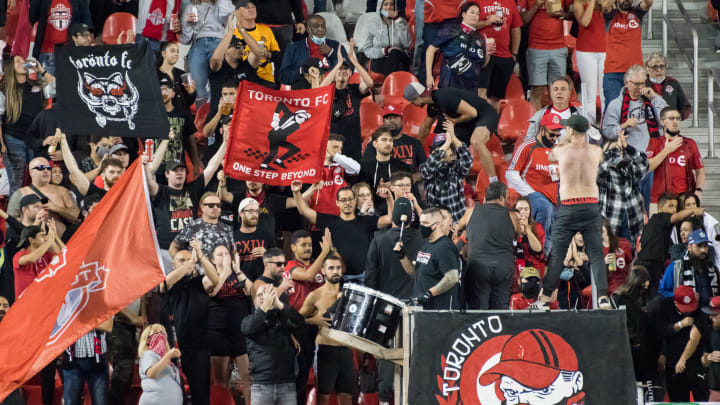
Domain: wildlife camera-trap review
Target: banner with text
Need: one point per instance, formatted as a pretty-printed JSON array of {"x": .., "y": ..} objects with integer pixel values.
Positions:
[
  {"x": 278, "y": 136},
  {"x": 568, "y": 358}
]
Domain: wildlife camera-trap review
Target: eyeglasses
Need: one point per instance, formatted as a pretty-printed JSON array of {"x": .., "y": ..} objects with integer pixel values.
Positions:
[
  {"x": 250, "y": 211},
  {"x": 282, "y": 264},
  {"x": 212, "y": 205},
  {"x": 42, "y": 167},
  {"x": 346, "y": 200},
  {"x": 552, "y": 134},
  {"x": 657, "y": 67},
  {"x": 638, "y": 84}
]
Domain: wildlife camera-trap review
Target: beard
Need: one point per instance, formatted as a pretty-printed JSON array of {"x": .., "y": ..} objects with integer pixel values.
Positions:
[
  {"x": 334, "y": 279},
  {"x": 672, "y": 133}
]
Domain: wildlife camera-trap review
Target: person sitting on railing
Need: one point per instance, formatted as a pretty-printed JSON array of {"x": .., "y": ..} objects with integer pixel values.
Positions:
[{"x": 666, "y": 86}]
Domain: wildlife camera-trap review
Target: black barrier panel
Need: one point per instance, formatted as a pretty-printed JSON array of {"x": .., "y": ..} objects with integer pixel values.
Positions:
[{"x": 521, "y": 358}]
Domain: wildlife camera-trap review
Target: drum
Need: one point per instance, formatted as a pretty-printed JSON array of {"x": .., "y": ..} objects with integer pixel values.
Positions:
[{"x": 368, "y": 314}]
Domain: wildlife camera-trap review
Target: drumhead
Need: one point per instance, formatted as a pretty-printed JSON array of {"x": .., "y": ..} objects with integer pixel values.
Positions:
[{"x": 367, "y": 290}]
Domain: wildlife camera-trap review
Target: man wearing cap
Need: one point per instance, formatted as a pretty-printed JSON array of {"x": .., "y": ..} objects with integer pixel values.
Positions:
[
  {"x": 405, "y": 148},
  {"x": 693, "y": 270},
  {"x": 378, "y": 168},
  {"x": 530, "y": 283},
  {"x": 532, "y": 174},
  {"x": 578, "y": 163},
  {"x": 81, "y": 34},
  {"x": 251, "y": 242},
  {"x": 475, "y": 120},
  {"x": 56, "y": 199},
  {"x": 38, "y": 249},
  {"x": 711, "y": 356},
  {"x": 679, "y": 327},
  {"x": 269, "y": 56}
]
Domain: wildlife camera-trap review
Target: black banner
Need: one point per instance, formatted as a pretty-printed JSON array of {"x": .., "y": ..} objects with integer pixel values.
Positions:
[
  {"x": 110, "y": 90},
  {"x": 563, "y": 358}
]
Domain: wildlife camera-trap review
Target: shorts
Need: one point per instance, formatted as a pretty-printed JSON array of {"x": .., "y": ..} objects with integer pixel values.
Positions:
[
  {"x": 496, "y": 76},
  {"x": 487, "y": 117},
  {"x": 546, "y": 65},
  {"x": 335, "y": 370},
  {"x": 226, "y": 342}
]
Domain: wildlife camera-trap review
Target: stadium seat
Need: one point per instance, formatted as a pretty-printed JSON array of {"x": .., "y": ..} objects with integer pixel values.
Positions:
[
  {"x": 220, "y": 395},
  {"x": 413, "y": 117},
  {"x": 514, "y": 89},
  {"x": 354, "y": 79},
  {"x": 116, "y": 24},
  {"x": 370, "y": 117},
  {"x": 335, "y": 29},
  {"x": 514, "y": 116},
  {"x": 394, "y": 86},
  {"x": 309, "y": 5}
]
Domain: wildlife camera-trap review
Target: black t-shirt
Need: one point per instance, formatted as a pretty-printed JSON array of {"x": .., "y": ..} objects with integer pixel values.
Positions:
[
  {"x": 346, "y": 119},
  {"x": 655, "y": 239},
  {"x": 182, "y": 123},
  {"x": 245, "y": 243},
  {"x": 32, "y": 105},
  {"x": 272, "y": 205},
  {"x": 374, "y": 172},
  {"x": 350, "y": 238},
  {"x": 407, "y": 149},
  {"x": 189, "y": 303},
  {"x": 174, "y": 209},
  {"x": 183, "y": 99},
  {"x": 433, "y": 260},
  {"x": 447, "y": 100}
]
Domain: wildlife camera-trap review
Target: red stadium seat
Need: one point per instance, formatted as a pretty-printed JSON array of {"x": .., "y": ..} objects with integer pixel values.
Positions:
[
  {"x": 354, "y": 79},
  {"x": 514, "y": 118},
  {"x": 394, "y": 86},
  {"x": 413, "y": 117},
  {"x": 116, "y": 24},
  {"x": 370, "y": 117},
  {"x": 500, "y": 168},
  {"x": 514, "y": 89}
]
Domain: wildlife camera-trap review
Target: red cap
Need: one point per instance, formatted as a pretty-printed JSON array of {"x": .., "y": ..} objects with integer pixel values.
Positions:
[
  {"x": 534, "y": 358},
  {"x": 714, "y": 307},
  {"x": 685, "y": 299},
  {"x": 551, "y": 121},
  {"x": 392, "y": 109}
]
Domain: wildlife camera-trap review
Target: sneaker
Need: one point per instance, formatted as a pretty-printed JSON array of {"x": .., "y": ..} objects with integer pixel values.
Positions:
[
  {"x": 280, "y": 163},
  {"x": 539, "y": 306},
  {"x": 604, "y": 303}
]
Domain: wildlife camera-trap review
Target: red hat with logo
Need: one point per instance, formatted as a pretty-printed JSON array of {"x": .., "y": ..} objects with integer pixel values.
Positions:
[
  {"x": 551, "y": 122},
  {"x": 714, "y": 307},
  {"x": 534, "y": 358},
  {"x": 685, "y": 299},
  {"x": 392, "y": 109}
]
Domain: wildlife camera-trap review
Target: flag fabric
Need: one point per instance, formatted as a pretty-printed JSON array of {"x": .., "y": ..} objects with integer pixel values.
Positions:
[
  {"x": 22, "y": 32},
  {"x": 486, "y": 358},
  {"x": 113, "y": 90},
  {"x": 111, "y": 260},
  {"x": 278, "y": 136}
]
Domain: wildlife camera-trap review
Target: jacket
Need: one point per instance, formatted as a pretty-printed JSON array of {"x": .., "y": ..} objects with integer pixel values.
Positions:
[
  {"x": 638, "y": 136},
  {"x": 297, "y": 53},
  {"x": 270, "y": 348},
  {"x": 534, "y": 121},
  {"x": 673, "y": 94},
  {"x": 673, "y": 278},
  {"x": 381, "y": 36},
  {"x": 383, "y": 271},
  {"x": 39, "y": 11},
  {"x": 444, "y": 181}
]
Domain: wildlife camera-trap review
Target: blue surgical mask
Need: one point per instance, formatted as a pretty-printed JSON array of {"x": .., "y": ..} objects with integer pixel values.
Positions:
[
  {"x": 657, "y": 81},
  {"x": 567, "y": 273},
  {"x": 317, "y": 40},
  {"x": 384, "y": 13}
]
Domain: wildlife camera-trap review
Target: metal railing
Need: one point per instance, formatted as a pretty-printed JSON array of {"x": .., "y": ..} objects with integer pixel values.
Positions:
[
  {"x": 713, "y": 77},
  {"x": 692, "y": 59}
]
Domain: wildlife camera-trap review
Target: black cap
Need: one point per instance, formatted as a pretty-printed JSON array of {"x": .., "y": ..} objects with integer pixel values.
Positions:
[
  {"x": 28, "y": 232},
  {"x": 174, "y": 164},
  {"x": 236, "y": 42},
  {"x": 402, "y": 206},
  {"x": 577, "y": 122},
  {"x": 243, "y": 3},
  {"x": 313, "y": 62},
  {"x": 29, "y": 199},
  {"x": 165, "y": 81},
  {"x": 76, "y": 29},
  {"x": 348, "y": 65}
]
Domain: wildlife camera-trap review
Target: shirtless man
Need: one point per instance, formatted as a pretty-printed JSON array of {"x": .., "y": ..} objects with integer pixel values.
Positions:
[
  {"x": 335, "y": 369},
  {"x": 56, "y": 200},
  {"x": 579, "y": 212}
]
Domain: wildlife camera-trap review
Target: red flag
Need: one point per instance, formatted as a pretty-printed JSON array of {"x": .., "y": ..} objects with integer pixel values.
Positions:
[
  {"x": 110, "y": 261},
  {"x": 278, "y": 136},
  {"x": 21, "y": 40}
]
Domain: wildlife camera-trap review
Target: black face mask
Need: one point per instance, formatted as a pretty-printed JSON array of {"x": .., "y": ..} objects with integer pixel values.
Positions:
[
  {"x": 531, "y": 289},
  {"x": 425, "y": 231},
  {"x": 547, "y": 142}
]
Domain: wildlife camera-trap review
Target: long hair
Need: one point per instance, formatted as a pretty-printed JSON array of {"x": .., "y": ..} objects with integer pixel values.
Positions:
[
  {"x": 160, "y": 59},
  {"x": 531, "y": 221},
  {"x": 634, "y": 284},
  {"x": 13, "y": 92},
  {"x": 612, "y": 238},
  {"x": 149, "y": 330},
  {"x": 465, "y": 8}
]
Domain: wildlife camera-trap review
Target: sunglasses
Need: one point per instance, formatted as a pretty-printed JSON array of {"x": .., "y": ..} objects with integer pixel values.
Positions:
[
  {"x": 281, "y": 264},
  {"x": 42, "y": 167},
  {"x": 213, "y": 205}
]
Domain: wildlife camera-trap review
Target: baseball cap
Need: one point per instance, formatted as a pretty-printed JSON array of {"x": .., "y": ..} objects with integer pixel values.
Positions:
[
  {"x": 714, "y": 307},
  {"x": 245, "y": 202},
  {"x": 28, "y": 232},
  {"x": 413, "y": 90},
  {"x": 439, "y": 140},
  {"x": 551, "y": 122},
  {"x": 314, "y": 62},
  {"x": 348, "y": 65},
  {"x": 534, "y": 358},
  {"x": 165, "y": 81},
  {"x": 174, "y": 164},
  {"x": 402, "y": 206},
  {"x": 685, "y": 299},
  {"x": 697, "y": 237},
  {"x": 392, "y": 109},
  {"x": 577, "y": 123},
  {"x": 29, "y": 199},
  {"x": 244, "y": 3},
  {"x": 236, "y": 42},
  {"x": 117, "y": 148},
  {"x": 528, "y": 272},
  {"x": 76, "y": 29}
]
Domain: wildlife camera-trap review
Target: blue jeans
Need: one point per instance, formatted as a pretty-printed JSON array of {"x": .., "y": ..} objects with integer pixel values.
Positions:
[
  {"x": 199, "y": 60},
  {"x": 18, "y": 154},
  {"x": 273, "y": 394},
  {"x": 48, "y": 62},
  {"x": 646, "y": 189},
  {"x": 84, "y": 370},
  {"x": 612, "y": 85},
  {"x": 543, "y": 211},
  {"x": 153, "y": 43}
]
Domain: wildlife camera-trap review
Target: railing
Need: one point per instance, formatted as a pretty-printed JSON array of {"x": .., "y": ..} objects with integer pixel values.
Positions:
[
  {"x": 692, "y": 60},
  {"x": 713, "y": 77}
]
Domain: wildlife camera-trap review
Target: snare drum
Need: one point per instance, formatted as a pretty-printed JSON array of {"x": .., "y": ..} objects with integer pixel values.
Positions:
[{"x": 368, "y": 314}]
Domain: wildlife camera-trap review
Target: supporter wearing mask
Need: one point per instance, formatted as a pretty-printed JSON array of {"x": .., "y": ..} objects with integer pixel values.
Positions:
[
  {"x": 405, "y": 147},
  {"x": 666, "y": 86},
  {"x": 532, "y": 174},
  {"x": 159, "y": 376},
  {"x": 378, "y": 169},
  {"x": 388, "y": 40},
  {"x": 529, "y": 282},
  {"x": 181, "y": 83},
  {"x": 99, "y": 147}
]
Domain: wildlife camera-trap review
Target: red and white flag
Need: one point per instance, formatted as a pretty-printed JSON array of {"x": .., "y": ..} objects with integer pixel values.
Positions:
[{"x": 110, "y": 261}]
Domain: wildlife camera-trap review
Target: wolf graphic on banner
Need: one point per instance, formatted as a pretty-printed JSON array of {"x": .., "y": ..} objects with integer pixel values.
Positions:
[
  {"x": 106, "y": 97},
  {"x": 280, "y": 132}
]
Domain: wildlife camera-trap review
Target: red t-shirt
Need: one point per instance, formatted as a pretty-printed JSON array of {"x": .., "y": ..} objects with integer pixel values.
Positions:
[
  {"x": 324, "y": 200},
  {"x": 624, "y": 42},
  {"x": 519, "y": 302},
  {"x": 297, "y": 294},
  {"x": 24, "y": 275},
  {"x": 672, "y": 174},
  {"x": 59, "y": 17},
  {"x": 623, "y": 261},
  {"x": 531, "y": 160},
  {"x": 592, "y": 38},
  {"x": 511, "y": 19},
  {"x": 545, "y": 32}
]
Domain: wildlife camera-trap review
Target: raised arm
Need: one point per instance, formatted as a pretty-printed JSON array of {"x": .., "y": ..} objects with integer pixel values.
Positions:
[
  {"x": 215, "y": 161},
  {"x": 302, "y": 274},
  {"x": 77, "y": 177},
  {"x": 367, "y": 81},
  {"x": 219, "y": 55},
  {"x": 302, "y": 205}
]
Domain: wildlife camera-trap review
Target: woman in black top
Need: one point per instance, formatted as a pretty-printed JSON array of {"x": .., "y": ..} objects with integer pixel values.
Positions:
[
  {"x": 632, "y": 294},
  {"x": 23, "y": 101},
  {"x": 184, "y": 95}
]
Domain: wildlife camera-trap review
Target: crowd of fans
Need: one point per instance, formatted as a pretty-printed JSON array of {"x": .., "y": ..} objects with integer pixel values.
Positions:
[{"x": 253, "y": 271}]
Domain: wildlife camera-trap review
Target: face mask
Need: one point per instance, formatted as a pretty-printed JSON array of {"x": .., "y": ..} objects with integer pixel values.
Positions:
[
  {"x": 384, "y": 13},
  {"x": 657, "y": 81},
  {"x": 567, "y": 273},
  {"x": 531, "y": 289},
  {"x": 317, "y": 40},
  {"x": 426, "y": 231},
  {"x": 547, "y": 142}
]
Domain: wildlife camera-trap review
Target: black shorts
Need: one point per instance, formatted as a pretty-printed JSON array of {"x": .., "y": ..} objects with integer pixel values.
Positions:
[
  {"x": 487, "y": 117},
  {"x": 335, "y": 370},
  {"x": 496, "y": 75},
  {"x": 226, "y": 342}
]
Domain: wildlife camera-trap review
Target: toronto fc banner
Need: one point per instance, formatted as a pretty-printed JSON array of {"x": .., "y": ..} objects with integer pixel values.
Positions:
[
  {"x": 568, "y": 358},
  {"x": 110, "y": 90},
  {"x": 278, "y": 136}
]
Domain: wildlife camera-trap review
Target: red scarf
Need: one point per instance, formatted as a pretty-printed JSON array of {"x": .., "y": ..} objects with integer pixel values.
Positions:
[
  {"x": 157, "y": 342},
  {"x": 155, "y": 22},
  {"x": 650, "y": 116}
]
